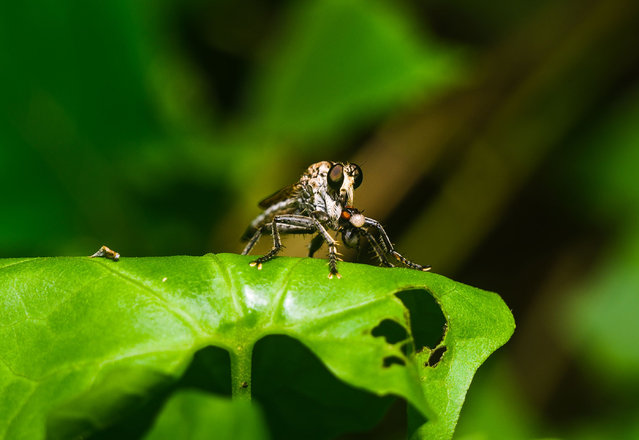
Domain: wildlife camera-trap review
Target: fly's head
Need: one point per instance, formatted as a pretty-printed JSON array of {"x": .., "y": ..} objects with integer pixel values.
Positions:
[
  {"x": 332, "y": 185},
  {"x": 343, "y": 179}
]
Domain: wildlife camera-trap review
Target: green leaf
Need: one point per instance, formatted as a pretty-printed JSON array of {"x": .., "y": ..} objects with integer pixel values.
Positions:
[
  {"x": 84, "y": 341},
  {"x": 603, "y": 176},
  {"x": 194, "y": 415},
  {"x": 343, "y": 62},
  {"x": 601, "y": 319}
]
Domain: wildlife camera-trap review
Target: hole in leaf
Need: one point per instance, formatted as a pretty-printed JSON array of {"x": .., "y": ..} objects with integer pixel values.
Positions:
[
  {"x": 436, "y": 356},
  {"x": 427, "y": 322},
  {"x": 393, "y": 360},
  {"x": 407, "y": 348},
  {"x": 210, "y": 370},
  {"x": 391, "y": 330}
]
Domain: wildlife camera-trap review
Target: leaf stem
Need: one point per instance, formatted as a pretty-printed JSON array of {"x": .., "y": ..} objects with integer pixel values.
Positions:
[{"x": 241, "y": 360}]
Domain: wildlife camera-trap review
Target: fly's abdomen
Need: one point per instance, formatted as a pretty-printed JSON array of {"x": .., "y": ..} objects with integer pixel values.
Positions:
[{"x": 284, "y": 207}]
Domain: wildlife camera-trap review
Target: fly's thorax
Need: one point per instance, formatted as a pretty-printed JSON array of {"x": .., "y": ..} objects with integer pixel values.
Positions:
[
  {"x": 314, "y": 178},
  {"x": 334, "y": 211},
  {"x": 315, "y": 189},
  {"x": 322, "y": 202}
]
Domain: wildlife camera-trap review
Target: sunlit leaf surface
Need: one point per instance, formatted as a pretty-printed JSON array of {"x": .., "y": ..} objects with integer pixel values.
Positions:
[{"x": 83, "y": 341}]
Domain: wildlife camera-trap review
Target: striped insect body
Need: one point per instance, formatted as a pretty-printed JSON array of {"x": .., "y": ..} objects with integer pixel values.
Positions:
[{"x": 321, "y": 201}]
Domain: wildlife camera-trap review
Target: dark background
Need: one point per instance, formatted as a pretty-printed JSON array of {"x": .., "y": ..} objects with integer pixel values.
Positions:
[{"x": 499, "y": 143}]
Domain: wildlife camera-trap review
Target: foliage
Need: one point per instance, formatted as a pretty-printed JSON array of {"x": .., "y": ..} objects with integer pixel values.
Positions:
[
  {"x": 194, "y": 415},
  {"x": 85, "y": 342},
  {"x": 498, "y": 141},
  {"x": 121, "y": 115}
]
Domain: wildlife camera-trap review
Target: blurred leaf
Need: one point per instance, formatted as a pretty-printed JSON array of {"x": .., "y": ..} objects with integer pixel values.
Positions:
[
  {"x": 606, "y": 169},
  {"x": 194, "y": 415},
  {"x": 603, "y": 317},
  {"x": 622, "y": 425},
  {"x": 342, "y": 62},
  {"x": 74, "y": 100},
  {"x": 602, "y": 312},
  {"x": 494, "y": 397},
  {"x": 85, "y": 340}
]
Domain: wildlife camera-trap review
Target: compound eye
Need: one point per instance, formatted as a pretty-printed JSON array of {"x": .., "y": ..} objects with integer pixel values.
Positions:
[
  {"x": 358, "y": 176},
  {"x": 335, "y": 176}
]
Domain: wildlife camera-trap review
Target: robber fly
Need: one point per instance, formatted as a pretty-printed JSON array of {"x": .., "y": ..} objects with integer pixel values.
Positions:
[{"x": 320, "y": 201}]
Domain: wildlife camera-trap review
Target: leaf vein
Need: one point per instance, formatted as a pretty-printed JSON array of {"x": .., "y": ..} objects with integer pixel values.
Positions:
[
  {"x": 21, "y": 408},
  {"x": 180, "y": 314},
  {"x": 100, "y": 363},
  {"x": 233, "y": 290},
  {"x": 29, "y": 260},
  {"x": 326, "y": 318},
  {"x": 279, "y": 302},
  {"x": 22, "y": 376}
]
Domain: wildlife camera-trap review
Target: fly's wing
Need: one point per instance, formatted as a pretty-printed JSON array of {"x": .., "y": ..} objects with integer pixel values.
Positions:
[{"x": 285, "y": 193}]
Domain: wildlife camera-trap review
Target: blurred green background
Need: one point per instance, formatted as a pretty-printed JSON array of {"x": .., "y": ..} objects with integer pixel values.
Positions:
[{"x": 499, "y": 143}]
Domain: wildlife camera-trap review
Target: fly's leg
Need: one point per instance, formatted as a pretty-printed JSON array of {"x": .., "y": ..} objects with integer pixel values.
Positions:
[
  {"x": 316, "y": 243},
  {"x": 277, "y": 246},
  {"x": 285, "y": 224},
  {"x": 380, "y": 251},
  {"x": 386, "y": 243},
  {"x": 333, "y": 256},
  {"x": 409, "y": 263},
  {"x": 312, "y": 224},
  {"x": 282, "y": 229},
  {"x": 253, "y": 241},
  {"x": 296, "y": 224}
]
